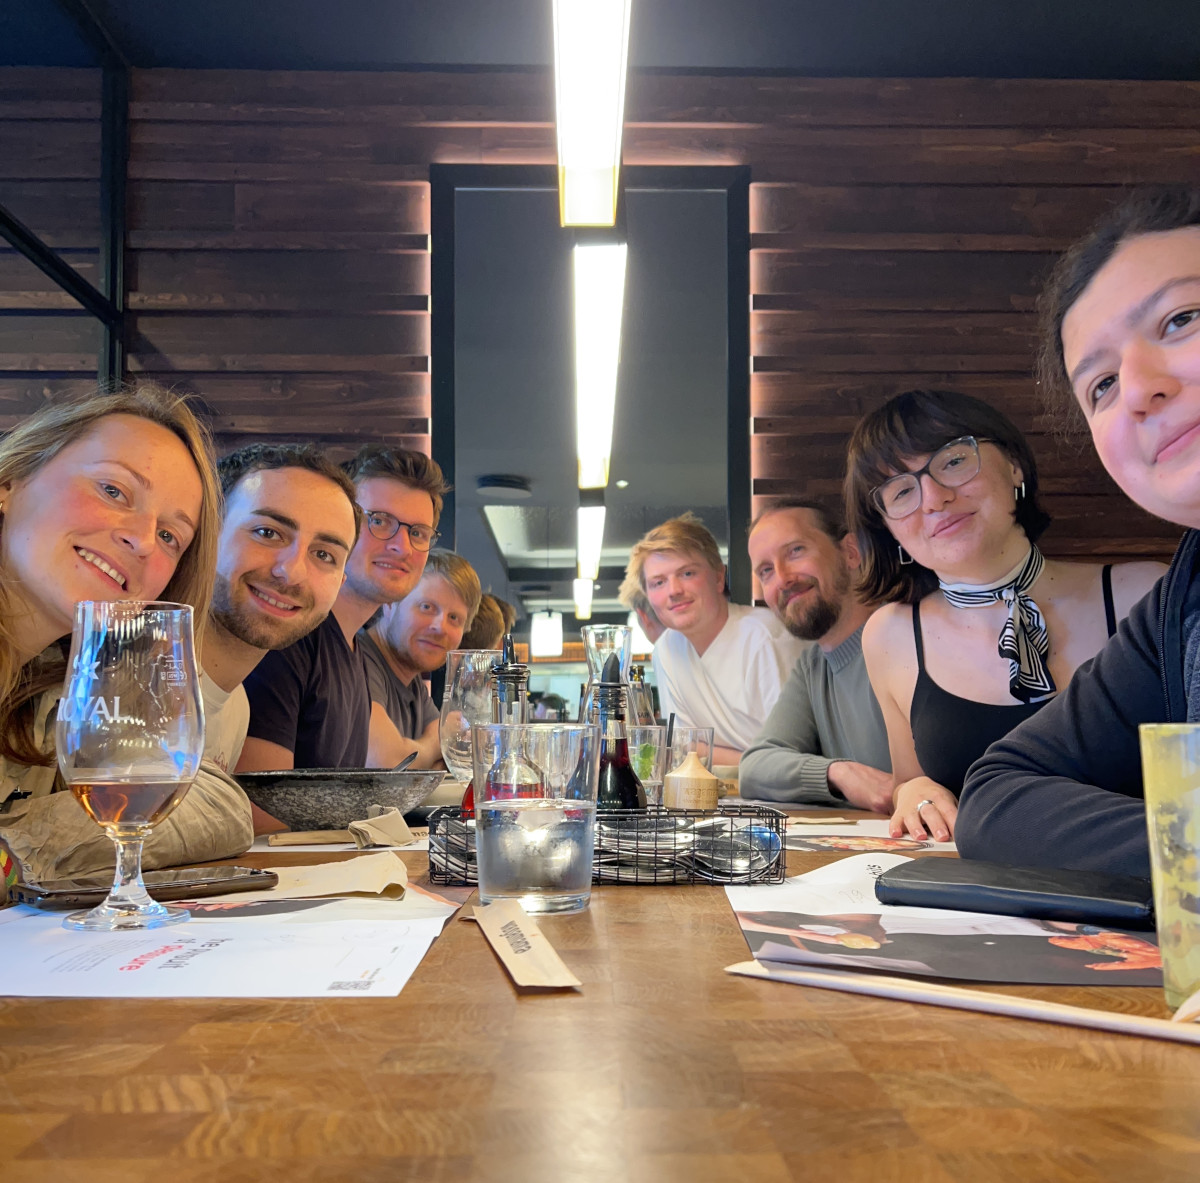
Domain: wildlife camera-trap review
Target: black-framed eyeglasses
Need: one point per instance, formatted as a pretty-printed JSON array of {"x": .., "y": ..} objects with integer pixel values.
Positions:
[
  {"x": 951, "y": 465},
  {"x": 384, "y": 526}
]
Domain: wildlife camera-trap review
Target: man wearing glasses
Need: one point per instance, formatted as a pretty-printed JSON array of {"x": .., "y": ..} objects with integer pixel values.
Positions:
[{"x": 310, "y": 705}]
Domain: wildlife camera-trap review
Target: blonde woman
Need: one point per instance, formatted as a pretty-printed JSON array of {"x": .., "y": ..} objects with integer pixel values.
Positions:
[{"x": 108, "y": 498}]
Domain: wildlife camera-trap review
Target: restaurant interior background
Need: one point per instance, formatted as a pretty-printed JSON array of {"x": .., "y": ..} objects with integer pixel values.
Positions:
[{"x": 249, "y": 186}]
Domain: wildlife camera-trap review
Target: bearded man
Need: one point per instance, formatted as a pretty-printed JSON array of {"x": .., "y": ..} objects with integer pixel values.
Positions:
[{"x": 824, "y": 741}]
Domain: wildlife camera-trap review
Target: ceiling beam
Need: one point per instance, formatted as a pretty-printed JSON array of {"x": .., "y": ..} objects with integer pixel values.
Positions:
[{"x": 96, "y": 32}]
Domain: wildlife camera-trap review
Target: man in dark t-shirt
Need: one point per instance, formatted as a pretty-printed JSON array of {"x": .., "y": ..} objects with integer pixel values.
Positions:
[
  {"x": 309, "y": 704},
  {"x": 411, "y": 639}
]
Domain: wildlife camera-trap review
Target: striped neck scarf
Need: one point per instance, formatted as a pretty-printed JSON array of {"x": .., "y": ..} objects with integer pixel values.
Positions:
[{"x": 1024, "y": 642}]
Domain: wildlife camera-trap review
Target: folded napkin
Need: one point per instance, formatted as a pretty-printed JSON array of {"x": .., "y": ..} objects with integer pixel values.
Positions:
[{"x": 383, "y": 826}]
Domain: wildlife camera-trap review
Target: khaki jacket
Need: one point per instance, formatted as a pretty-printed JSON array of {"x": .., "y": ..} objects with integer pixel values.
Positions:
[{"x": 50, "y": 837}]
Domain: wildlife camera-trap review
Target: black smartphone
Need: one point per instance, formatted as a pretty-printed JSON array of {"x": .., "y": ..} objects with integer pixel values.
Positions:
[{"x": 172, "y": 883}]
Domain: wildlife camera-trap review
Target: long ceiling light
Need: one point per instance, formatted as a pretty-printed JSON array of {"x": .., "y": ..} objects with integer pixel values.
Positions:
[
  {"x": 589, "y": 540},
  {"x": 591, "y": 50},
  {"x": 583, "y": 599},
  {"x": 599, "y": 272}
]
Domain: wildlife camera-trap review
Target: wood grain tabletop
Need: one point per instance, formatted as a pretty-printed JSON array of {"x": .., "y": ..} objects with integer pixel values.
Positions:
[{"x": 662, "y": 1068}]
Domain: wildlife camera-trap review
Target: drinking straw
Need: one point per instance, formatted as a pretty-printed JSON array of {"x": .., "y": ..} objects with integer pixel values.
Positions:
[
  {"x": 670, "y": 729},
  {"x": 936, "y": 994}
]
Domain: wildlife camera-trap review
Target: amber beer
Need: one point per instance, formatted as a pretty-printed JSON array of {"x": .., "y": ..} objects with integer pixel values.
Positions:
[{"x": 129, "y": 803}]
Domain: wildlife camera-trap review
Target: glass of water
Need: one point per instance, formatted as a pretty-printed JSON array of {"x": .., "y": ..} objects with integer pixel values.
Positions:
[{"x": 534, "y": 844}]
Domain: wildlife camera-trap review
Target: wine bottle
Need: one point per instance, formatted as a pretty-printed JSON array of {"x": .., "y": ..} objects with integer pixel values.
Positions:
[{"x": 619, "y": 787}]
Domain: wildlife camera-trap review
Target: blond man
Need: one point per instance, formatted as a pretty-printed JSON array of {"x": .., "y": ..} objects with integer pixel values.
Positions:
[
  {"x": 412, "y": 638},
  {"x": 718, "y": 664}
]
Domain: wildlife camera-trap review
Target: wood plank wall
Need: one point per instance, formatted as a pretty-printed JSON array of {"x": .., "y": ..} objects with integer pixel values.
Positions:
[{"x": 279, "y": 266}]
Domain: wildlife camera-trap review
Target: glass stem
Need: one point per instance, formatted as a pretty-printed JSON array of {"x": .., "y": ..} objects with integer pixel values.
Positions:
[{"x": 128, "y": 890}]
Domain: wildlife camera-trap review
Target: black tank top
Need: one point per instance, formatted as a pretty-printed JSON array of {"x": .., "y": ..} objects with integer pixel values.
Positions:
[{"x": 951, "y": 733}]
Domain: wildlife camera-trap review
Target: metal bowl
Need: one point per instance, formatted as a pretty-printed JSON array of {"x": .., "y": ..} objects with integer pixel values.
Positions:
[{"x": 332, "y": 798}]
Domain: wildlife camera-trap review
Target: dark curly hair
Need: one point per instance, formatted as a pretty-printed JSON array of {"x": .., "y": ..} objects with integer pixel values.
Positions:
[
  {"x": 1152, "y": 210},
  {"x": 236, "y": 466},
  {"x": 917, "y": 423}
]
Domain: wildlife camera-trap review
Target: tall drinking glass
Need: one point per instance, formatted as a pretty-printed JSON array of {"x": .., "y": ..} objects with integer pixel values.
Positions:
[
  {"x": 130, "y": 735},
  {"x": 1171, "y": 782},
  {"x": 538, "y": 850},
  {"x": 467, "y": 701},
  {"x": 648, "y": 753}
]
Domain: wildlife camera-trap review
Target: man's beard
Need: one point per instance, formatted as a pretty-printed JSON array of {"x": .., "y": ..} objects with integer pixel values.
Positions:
[
  {"x": 256, "y": 631},
  {"x": 819, "y": 616}
]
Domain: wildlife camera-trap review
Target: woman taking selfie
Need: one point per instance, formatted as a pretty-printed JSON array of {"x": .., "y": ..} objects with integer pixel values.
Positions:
[
  {"x": 979, "y": 631},
  {"x": 111, "y": 498},
  {"x": 1121, "y": 344}
]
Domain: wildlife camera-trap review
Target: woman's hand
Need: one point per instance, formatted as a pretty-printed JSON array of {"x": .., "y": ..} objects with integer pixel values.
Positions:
[{"x": 936, "y": 817}]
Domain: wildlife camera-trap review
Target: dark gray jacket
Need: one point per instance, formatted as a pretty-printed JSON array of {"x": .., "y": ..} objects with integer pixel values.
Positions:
[{"x": 1064, "y": 789}]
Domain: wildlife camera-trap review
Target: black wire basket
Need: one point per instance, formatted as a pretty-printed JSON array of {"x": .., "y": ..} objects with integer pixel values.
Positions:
[{"x": 741, "y": 844}]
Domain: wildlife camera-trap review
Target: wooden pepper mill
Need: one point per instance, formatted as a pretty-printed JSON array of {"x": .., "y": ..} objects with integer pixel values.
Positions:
[{"x": 691, "y": 786}]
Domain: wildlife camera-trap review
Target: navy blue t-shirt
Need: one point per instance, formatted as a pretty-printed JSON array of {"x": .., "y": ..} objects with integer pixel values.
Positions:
[{"x": 312, "y": 699}]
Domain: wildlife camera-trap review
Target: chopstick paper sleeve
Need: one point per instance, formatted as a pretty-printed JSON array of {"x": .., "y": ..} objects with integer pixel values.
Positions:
[{"x": 523, "y": 948}]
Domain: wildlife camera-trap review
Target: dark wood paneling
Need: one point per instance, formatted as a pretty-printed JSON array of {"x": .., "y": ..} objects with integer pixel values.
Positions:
[{"x": 900, "y": 228}]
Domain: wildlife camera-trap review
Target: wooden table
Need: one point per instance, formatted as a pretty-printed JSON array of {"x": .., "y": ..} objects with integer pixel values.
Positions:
[{"x": 663, "y": 1068}]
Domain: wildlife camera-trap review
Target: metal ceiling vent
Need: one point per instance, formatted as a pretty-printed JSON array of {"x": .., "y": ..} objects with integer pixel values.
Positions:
[{"x": 504, "y": 486}]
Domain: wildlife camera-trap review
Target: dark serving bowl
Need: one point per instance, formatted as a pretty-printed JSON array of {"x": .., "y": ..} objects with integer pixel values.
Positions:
[{"x": 332, "y": 798}]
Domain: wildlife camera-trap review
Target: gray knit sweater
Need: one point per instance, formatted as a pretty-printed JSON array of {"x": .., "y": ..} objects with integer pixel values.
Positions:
[{"x": 826, "y": 712}]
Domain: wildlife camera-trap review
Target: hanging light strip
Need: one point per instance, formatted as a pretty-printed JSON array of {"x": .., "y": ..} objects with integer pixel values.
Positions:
[
  {"x": 599, "y": 274},
  {"x": 583, "y": 599},
  {"x": 591, "y": 53},
  {"x": 589, "y": 540}
]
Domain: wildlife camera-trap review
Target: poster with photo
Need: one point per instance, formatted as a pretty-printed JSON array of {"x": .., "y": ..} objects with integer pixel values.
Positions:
[{"x": 831, "y": 917}]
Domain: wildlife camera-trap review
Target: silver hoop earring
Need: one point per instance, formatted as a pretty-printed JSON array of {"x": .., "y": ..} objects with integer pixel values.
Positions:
[{"x": 905, "y": 558}]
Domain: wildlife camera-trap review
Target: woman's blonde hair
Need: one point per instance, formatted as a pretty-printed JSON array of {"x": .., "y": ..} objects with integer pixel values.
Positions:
[{"x": 33, "y": 443}]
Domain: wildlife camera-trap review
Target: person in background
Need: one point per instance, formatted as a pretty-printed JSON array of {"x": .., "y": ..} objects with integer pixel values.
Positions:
[
  {"x": 410, "y": 639},
  {"x": 285, "y": 537},
  {"x": 825, "y": 740},
  {"x": 487, "y": 629},
  {"x": 718, "y": 664},
  {"x": 1120, "y": 342},
  {"x": 508, "y": 612},
  {"x": 632, "y": 596},
  {"x": 113, "y": 497},
  {"x": 978, "y": 631},
  {"x": 550, "y": 708},
  {"x": 310, "y": 704}
]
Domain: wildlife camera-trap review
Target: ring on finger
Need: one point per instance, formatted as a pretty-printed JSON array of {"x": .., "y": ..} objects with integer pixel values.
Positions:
[{"x": 921, "y": 805}]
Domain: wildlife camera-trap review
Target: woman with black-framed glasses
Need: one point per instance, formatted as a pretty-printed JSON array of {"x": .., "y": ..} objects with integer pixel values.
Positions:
[{"x": 978, "y": 630}]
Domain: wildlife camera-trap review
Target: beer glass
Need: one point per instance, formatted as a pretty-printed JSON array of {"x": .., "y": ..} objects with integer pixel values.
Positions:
[
  {"x": 130, "y": 735},
  {"x": 1171, "y": 783}
]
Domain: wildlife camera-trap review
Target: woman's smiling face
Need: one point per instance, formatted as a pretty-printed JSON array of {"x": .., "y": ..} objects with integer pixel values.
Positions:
[
  {"x": 961, "y": 533},
  {"x": 108, "y": 518},
  {"x": 1131, "y": 345}
]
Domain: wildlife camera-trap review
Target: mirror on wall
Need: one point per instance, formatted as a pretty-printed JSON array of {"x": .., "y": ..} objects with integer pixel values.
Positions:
[{"x": 507, "y": 362}]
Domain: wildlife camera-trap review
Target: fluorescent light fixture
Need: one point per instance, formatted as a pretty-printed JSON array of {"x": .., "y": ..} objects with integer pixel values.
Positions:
[
  {"x": 599, "y": 301},
  {"x": 545, "y": 634},
  {"x": 583, "y": 599},
  {"x": 591, "y": 51},
  {"x": 589, "y": 539}
]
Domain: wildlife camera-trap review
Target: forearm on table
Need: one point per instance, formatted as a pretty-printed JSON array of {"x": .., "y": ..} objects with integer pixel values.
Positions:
[{"x": 773, "y": 773}]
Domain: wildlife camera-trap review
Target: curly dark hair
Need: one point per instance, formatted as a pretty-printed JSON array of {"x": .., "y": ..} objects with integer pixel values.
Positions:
[
  {"x": 238, "y": 465},
  {"x": 917, "y": 423},
  {"x": 1151, "y": 210}
]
